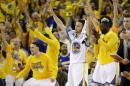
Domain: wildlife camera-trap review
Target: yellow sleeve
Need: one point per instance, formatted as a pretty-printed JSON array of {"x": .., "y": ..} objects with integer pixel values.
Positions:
[
  {"x": 43, "y": 38},
  {"x": 8, "y": 59},
  {"x": 2, "y": 70},
  {"x": 48, "y": 31},
  {"x": 8, "y": 48},
  {"x": 26, "y": 70},
  {"x": 24, "y": 57},
  {"x": 51, "y": 70},
  {"x": 40, "y": 26},
  {"x": 111, "y": 42},
  {"x": 96, "y": 50}
]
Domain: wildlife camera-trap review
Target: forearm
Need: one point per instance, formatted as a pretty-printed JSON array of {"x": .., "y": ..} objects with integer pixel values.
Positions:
[
  {"x": 88, "y": 31},
  {"x": 42, "y": 37},
  {"x": 115, "y": 12},
  {"x": 100, "y": 3},
  {"x": 20, "y": 30},
  {"x": 25, "y": 71},
  {"x": 59, "y": 22},
  {"x": 89, "y": 12},
  {"x": 48, "y": 31},
  {"x": 124, "y": 2},
  {"x": 25, "y": 11}
]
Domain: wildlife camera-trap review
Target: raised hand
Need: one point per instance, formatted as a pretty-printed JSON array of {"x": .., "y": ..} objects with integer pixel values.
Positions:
[{"x": 50, "y": 10}]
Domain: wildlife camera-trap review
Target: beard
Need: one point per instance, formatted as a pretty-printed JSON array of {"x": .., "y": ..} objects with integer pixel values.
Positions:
[
  {"x": 104, "y": 28},
  {"x": 104, "y": 31}
]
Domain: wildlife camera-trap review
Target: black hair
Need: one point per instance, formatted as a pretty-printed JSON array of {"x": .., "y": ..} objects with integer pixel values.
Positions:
[
  {"x": 37, "y": 44},
  {"x": 81, "y": 21},
  {"x": 106, "y": 20}
]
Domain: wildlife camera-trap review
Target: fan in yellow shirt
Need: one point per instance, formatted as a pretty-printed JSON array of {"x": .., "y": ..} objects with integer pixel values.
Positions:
[
  {"x": 40, "y": 65},
  {"x": 106, "y": 44},
  {"x": 15, "y": 61},
  {"x": 52, "y": 49},
  {"x": 2, "y": 69}
]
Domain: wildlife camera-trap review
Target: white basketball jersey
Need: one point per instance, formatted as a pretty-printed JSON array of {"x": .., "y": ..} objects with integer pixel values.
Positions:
[{"x": 77, "y": 47}]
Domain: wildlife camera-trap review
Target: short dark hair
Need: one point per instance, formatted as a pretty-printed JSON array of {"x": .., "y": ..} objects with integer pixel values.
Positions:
[
  {"x": 37, "y": 44},
  {"x": 106, "y": 20},
  {"x": 81, "y": 21}
]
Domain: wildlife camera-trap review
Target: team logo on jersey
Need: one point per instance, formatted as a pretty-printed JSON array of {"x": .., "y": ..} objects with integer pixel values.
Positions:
[
  {"x": 15, "y": 55},
  {"x": 76, "y": 47},
  {"x": 37, "y": 66}
]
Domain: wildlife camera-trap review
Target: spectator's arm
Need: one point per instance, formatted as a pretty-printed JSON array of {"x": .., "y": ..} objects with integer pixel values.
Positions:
[
  {"x": 5, "y": 43},
  {"x": 20, "y": 30},
  {"x": 124, "y": 2},
  {"x": 100, "y": 6},
  {"x": 57, "y": 20},
  {"x": 115, "y": 12},
  {"x": 25, "y": 10},
  {"x": 43, "y": 38},
  {"x": 89, "y": 28},
  {"x": 26, "y": 70},
  {"x": 48, "y": 31},
  {"x": 88, "y": 11}
]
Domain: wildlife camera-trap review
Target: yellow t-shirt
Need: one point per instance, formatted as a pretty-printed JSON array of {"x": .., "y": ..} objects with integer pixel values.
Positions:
[
  {"x": 52, "y": 49},
  {"x": 113, "y": 28},
  {"x": 39, "y": 66},
  {"x": 107, "y": 44},
  {"x": 15, "y": 61}
]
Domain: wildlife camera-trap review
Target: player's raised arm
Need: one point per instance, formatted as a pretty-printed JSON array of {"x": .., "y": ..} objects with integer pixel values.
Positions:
[
  {"x": 115, "y": 12},
  {"x": 57, "y": 20},
  {"x": 88, "y": 11}
]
